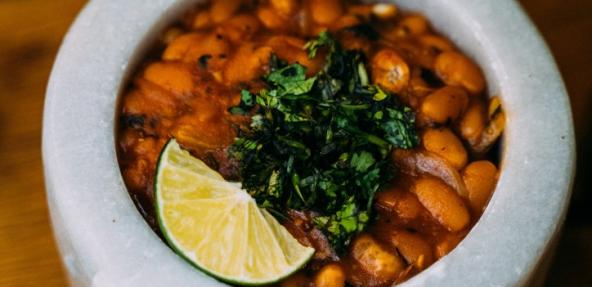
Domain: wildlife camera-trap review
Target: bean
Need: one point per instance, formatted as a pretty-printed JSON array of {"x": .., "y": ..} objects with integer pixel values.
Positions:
[
  {"x": 173, "y": 77},
  {"x": 446, "y": 144},
  {"x": 240, "y": 28},
  {"x": 390, "y": 71},
  {"x": 414, "y": 248},
  {"x": 202, "y": 20},
  {"x": 375, "y": 259},
  {"x": 270, "y": 18},
  {"x": 480, "y": 178},
  {"x": 419, "y": 88},
  {"x": 345, "y": 21},
  {"x": 384, "y": 11},
  {"x": 171, "y": 34},
  {"x": 246, "y": 64},
  {"x": 472, "y": 123},
  {"x": 203, "y": 132},
  {"x": 286, "y": 7},
  {"x": 447, "y": 243},
  {"x": 419, "y": 161},
  {"x": 222, "y": 10},
  {"x": 331, "y": 275},
  {"x": 213, "y": 46},
  {"x": 414, "y": 25},
  {"x": 326, "y": 12},
  {"x": 404, "y": 205},
  {"x": 151, "y": 99},
  {"x": 191, "y": 47},
  {"x": 436, "y": 43},
  {"x": 177, "y": 49},
  {"x": 444, "y": 104},
  {"x": 443, "y": 203},
  {"x": 457, "y": 70}
]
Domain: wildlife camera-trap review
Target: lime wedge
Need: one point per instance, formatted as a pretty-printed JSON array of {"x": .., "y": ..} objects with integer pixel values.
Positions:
[{"x": 217, "y": 226}]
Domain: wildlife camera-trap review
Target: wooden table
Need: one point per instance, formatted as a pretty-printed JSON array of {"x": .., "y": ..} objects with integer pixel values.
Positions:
[{"x": 31, "y": 31}]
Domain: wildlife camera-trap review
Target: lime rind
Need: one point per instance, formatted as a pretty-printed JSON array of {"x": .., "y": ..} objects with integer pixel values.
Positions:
[{"x": 191, "y": 186}]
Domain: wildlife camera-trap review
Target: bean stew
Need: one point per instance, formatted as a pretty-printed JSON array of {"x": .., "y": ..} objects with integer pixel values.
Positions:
[{"x": 436, "y": 131}]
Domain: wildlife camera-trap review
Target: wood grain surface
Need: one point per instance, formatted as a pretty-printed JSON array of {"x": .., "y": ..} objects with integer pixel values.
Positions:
[{"x": 30, "y": 34}]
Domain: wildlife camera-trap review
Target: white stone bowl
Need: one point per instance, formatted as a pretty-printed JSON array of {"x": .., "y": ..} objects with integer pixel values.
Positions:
[{"x": 105, "y": 242}]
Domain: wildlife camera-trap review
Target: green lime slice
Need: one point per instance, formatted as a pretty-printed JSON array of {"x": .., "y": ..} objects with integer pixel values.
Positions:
[{"x": 217, "y": 226}]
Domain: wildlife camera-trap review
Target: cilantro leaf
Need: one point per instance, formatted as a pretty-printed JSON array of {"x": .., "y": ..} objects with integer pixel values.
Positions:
[
  {"x": 291, "y": 80},
  {"x": 362, "y": 161},
  {"x": 323, "y": 40}
]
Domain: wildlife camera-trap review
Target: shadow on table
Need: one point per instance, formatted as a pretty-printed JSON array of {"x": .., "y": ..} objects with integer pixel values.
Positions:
[{"x": 572, "y": 265}]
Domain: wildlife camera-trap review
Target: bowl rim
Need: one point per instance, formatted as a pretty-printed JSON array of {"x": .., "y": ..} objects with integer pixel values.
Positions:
[{"x": 100, "y": 245}]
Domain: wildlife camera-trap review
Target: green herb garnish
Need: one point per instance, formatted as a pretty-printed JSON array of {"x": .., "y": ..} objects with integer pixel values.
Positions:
[{"x": 322, "y": 143}]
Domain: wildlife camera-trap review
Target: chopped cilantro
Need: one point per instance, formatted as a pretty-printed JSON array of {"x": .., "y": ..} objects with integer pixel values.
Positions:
[{"x": 322, "y": 143}]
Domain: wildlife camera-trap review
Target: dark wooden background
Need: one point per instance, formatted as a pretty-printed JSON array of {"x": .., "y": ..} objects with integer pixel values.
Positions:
[{"x": 30, "y": 34}]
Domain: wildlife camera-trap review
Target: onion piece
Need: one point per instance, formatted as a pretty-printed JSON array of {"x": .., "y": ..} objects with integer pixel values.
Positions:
[
  {"x": 490, "y": 135},
  {"x": 417, "y": 162},
  {"x": 300, "y": 225},
  {"x": 494, "y": 129}
]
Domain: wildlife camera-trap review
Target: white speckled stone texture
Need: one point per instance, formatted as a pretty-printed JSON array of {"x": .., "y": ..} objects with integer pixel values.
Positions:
[{"x": 105, "y": 242}]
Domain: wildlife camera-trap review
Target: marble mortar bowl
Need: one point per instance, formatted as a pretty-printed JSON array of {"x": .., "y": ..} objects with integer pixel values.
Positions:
[{"x": 104, "y": 240}]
